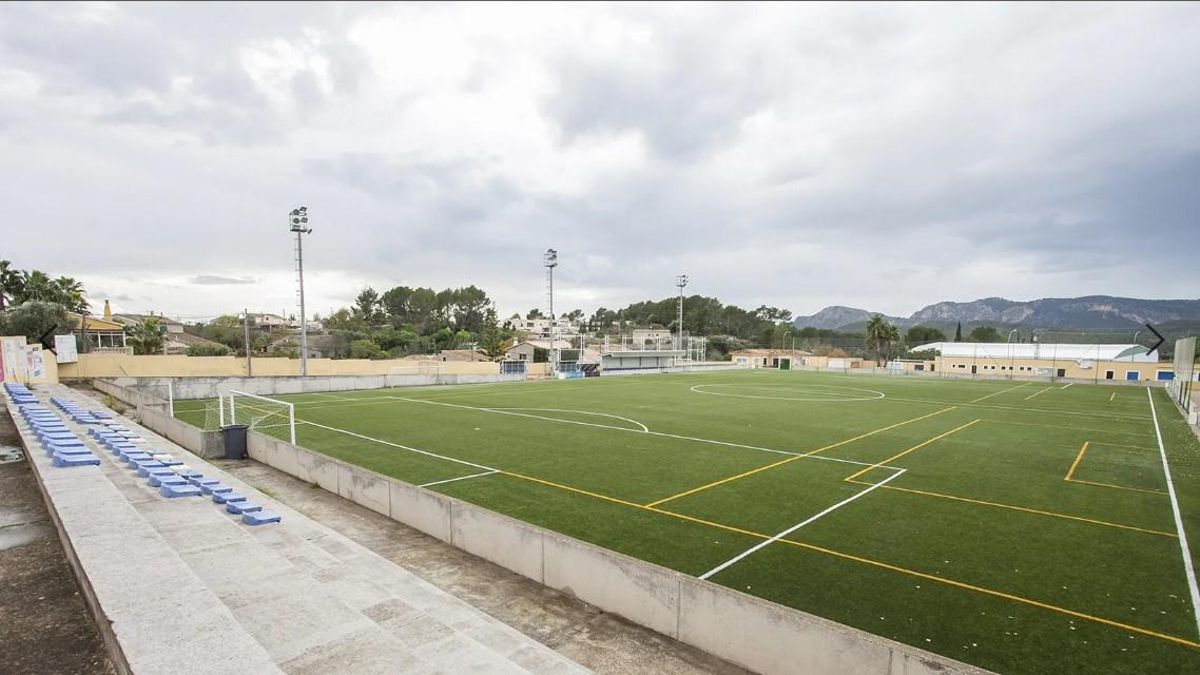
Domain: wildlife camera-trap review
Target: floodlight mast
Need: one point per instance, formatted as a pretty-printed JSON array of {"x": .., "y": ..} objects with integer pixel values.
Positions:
[
  {"x": 550, "y": 261},
  {"x": 681, "y": 280},
  {"x": 298, "y": 220}
]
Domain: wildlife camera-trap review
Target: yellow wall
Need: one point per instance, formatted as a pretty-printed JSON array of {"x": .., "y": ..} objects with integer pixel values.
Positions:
[
  {"x": 179, "y": 365},
  {"x": 1096, "y": 371}
]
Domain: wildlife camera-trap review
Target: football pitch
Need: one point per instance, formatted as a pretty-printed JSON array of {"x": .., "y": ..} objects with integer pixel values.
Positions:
[{"x": 1021, "y": 527}]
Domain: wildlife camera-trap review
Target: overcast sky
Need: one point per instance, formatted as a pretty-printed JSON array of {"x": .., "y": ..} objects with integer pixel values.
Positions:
[{"x": 879, "y": 156}]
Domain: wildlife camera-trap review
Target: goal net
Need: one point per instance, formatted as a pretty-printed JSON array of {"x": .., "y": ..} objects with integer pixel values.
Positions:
[{"x": 267, "y": 415}]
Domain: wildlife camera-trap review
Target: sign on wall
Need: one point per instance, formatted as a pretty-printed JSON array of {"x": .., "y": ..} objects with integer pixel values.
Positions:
[
  {"x": 64, "y": 346},
  {"x": 13, "y": 349},
  {"x": 35, "y": 365}
]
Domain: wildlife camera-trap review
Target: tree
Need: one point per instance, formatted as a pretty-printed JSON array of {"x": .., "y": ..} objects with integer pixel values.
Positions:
[
  {"x": 881, "y": 334},
  {"x": 366, "y": 305},
  {"x": 35, "y": 320},
  {"x": 534, "y": 313},
  {"x": 10, "y": 279},
  {"x": 70, "y": 294},
  {"x": 958, "y": 332},
  {"x": 575, "y": 315},
  {"x": 146, "y": 336},
  {"x": 366, "y": 349},
  {"x": 205, "y": 349},
  {"x": 984, "y": 334},
  {"x": 922, "y": 334},
  {"x": 493, "y": 343}
]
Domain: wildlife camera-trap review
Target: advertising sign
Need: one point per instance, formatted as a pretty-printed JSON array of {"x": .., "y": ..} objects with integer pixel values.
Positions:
[{"x": 64, "y": 345}]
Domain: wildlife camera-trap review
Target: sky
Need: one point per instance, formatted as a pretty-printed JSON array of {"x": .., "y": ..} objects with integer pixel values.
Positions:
[{"x": 798, "y": 156}]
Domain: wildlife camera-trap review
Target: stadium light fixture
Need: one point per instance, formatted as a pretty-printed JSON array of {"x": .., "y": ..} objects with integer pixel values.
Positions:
[
  {"x": 550, "y": 261},
  {"x": 298, "y": 221}
]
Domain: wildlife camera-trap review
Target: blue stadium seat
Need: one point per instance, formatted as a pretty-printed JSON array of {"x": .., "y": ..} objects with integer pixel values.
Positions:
[{"x": 260, "y": 518}]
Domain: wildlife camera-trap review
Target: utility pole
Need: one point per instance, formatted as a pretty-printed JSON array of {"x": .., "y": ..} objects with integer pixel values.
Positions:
[
  {"x": 246, "y": 327},
  {"x": 681, "y": 280},
  {"x": 299, "y": 225}
]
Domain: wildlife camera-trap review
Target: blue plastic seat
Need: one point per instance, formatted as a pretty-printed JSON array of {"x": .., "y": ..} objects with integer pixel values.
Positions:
[
  {"x": 260, "y": 518},
  {"x": 226, "y": 497},
  {"x": 238, "y": 508},
  {"x": 175, "y": 491},
  {"x": 76, "y": 460}
]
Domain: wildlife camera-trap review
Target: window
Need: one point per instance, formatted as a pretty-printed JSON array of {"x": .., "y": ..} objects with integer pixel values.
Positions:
[{"x": 1108, "y": 374}]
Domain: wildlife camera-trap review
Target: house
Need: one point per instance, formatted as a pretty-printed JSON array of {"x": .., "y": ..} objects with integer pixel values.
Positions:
[
  {"x": 103, "y": 334},
  {"x": 783, "y": 359},
  {"x": 524, "y": 351},
  {"x": 540, "y": 328},
  {"x": 127, "y": 319}
]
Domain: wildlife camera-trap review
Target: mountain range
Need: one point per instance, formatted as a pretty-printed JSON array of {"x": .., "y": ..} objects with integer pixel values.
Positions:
[{"x": 1088, "y": 312}]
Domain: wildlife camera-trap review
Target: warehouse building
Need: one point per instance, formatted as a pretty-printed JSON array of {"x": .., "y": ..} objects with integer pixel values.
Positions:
[{"x": 1076, "y": 361}]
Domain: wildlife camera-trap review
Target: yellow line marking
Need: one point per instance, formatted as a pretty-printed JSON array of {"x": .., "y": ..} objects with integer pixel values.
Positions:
[
  {"x": 1078, "y": 459},
  {"x": 1119, "y": 487},
  {"x": 1120, "y": 445},
  {"x": 1002, "y": 391},
  {"x": 879, "y": 564},
  {"x": 1062, "y": 428},
  {"x": 772, "y": 465},
  {"x": 1110, "y": 398},
  {"x": 1115, "y": 417},
  {"x": 915, "y": 447},
  {"x": 1038, "y": 393},
  {"x": 1023, "y": 509},
  {"x": 998, "y": 594}
]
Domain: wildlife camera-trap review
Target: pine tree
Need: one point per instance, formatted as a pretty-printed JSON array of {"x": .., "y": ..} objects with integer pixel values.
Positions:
[{"x": 958, "y": 333}]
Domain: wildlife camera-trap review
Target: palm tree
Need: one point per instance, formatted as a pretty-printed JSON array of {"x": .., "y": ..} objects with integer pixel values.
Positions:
[
  {"x": 70, "y": 294},
  {"x": 9, "y": 283},
  {"x": 881, "y": 335},
  {"x": 146, "y": 336}
]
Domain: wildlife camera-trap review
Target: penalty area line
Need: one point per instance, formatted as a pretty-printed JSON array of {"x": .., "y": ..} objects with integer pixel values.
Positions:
[
  {"x": 451, "y": 480},
  {"x": 763, "y": 544}
]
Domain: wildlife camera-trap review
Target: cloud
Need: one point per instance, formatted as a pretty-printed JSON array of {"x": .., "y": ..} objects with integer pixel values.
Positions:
[
  {"x": 215, "y": 280},
  {"x": 789, "y": 155}
]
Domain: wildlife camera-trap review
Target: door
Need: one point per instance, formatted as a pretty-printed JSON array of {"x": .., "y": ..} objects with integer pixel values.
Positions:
[
  {"x": 1108, "y": 374},
  {"x": 974, "y": 370},
  {"x": 785, "y": 364}
]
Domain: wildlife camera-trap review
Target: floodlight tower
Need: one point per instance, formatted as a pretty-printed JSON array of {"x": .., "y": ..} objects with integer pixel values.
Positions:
[
  {"x": 298, "y": 220},
  {"x": 681, "y": 280},
  {"x": 550, "y": 261}
]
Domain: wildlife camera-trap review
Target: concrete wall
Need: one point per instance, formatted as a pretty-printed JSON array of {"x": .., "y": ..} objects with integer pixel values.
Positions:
[
  {"x": 101, "y": 364},
  {"x": 152, "y": 413},
  {"x": 211, "y": 387},
  {"x": 748, "y": 631}
]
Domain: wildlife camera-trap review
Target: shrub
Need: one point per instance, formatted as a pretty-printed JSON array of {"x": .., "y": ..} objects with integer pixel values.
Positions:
[{"x": 208, "y": 350}]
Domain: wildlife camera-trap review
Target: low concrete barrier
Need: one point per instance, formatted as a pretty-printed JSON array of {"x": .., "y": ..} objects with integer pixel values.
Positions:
[
  {"x": 739, "y": 628},
  {"x": 212, "y": 387},
  {"x": 152, "y": 413}
]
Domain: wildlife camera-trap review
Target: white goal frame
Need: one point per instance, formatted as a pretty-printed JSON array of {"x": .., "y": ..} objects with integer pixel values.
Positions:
[{"x": 291, "y": 409}]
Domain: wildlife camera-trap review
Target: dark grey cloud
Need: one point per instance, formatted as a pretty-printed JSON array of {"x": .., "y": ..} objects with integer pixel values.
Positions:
[
  {"x": 794, "y": 155},
  {"x": 217, "y": 280}
]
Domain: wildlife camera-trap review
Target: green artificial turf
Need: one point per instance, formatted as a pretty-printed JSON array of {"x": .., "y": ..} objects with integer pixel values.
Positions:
[{"x": 981, "y": 549}]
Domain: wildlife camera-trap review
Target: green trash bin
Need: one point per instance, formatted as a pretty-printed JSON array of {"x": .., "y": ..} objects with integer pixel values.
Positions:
[{"x": 235, "y": 440}]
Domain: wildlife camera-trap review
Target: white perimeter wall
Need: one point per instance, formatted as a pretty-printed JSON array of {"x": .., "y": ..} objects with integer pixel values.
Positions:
[{"x": 211, "y": 387}]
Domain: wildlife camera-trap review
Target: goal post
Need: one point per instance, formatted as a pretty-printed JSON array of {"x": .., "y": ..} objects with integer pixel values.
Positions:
[{"x": 262, "y": 413}]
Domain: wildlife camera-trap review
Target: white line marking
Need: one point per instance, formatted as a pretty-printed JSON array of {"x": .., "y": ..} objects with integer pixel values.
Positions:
[
  {"x": 1183, "y": 542},
  {"x": 403, "y": 447},
  {"x": 1111, "y": 416},
  {"x": 877, "y": 394},
  {"x": 781, "y": 535},
  {"x": 634, "y": 431},
  {"x": 1002, "y": 391},
  {"x": 1069, "y": 384},
  {"x": 451, "y": 480},
  {"x": 1039, "y": 392},
  {"x": 581, "y": 412}
]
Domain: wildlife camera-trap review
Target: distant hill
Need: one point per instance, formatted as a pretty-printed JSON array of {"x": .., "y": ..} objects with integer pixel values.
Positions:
[
  {"x": 1089, "y": 312},
  {"x": 837, "y": 316}
]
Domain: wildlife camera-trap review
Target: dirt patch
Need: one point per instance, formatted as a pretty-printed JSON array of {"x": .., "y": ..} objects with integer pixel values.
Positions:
[{"x": 46, "y": 627}]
